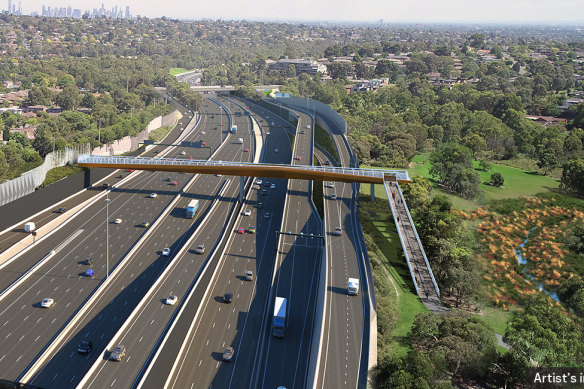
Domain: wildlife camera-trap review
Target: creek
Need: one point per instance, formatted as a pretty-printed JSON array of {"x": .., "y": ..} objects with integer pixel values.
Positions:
[{"x": 523, "y": 262}]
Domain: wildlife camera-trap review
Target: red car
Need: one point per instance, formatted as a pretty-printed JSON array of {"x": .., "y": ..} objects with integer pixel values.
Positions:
[
  {"x": 130, "y": 170},
  {"x": 241, "y": 230},
  {"x": 204, "y": 143},
  {"x": 246, "y": 150},
  {"x": 298, "y": 157},
  {"x": 174, "y": 183}
]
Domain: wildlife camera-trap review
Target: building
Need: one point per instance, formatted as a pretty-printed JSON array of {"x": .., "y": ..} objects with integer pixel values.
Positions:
[
  {"x": 570, "y": 103},
  {"x": 547, "y": 120},
  {"x": 309, "y": 66}
]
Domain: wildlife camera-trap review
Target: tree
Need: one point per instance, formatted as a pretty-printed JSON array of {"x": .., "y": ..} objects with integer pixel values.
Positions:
[
  {"x": 571, "y": 292},
  {"x": 545, "y": 335},
  {"x": 548, "y": 159},
  {"x": 477, "y": 40},
  {"x": 497, "y": 180},
  {"x": 575, "y": 239},
  {"x": 68, "y": 99}
]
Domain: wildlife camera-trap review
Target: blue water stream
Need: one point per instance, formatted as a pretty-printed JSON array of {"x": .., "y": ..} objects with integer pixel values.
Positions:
[{"x": 523, "y": 261}]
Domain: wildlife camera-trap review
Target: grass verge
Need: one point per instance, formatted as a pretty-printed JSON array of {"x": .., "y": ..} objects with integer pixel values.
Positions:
[
  {"x": 323, "y": 138},
  {"x": 59, "y": 173},
  {"x": 397, "y": 302},
  {"x": 292, "y": 137},
  {"x": 159, "y": 134}
]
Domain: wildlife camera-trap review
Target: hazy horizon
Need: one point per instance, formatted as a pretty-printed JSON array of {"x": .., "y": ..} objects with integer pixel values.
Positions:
[{"x": 345, "y": 11}]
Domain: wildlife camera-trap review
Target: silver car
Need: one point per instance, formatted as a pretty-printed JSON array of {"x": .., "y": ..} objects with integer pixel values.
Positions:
[{"x": 118, "y": 353}]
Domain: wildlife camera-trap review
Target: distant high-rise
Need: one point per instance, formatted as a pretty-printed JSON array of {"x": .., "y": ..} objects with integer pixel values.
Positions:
[
  {"x": 127, "y": 12},
  {"x": 9, "y": 6}
]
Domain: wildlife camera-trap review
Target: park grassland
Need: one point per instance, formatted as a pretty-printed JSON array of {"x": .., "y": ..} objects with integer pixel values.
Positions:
[
  {"x": 175, "y": 71},
  {"x": 388, "y": 262},
  {"x": 518, "y": 183}
]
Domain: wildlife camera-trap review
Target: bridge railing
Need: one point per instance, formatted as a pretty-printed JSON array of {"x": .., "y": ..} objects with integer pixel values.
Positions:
[{"x": 124, "y": 160}]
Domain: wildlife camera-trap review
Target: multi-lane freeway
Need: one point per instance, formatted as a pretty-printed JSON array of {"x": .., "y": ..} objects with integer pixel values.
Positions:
[{"x": 276, "y": 233}]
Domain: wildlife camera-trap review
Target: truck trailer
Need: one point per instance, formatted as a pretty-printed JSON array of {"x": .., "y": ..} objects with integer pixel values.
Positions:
[
  {"x": 192, "y": 208},
  {"x": 280, "y": 319}
]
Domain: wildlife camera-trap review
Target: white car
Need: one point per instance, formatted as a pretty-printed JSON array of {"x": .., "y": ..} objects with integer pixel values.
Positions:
[
  {"x": 153, "y": 195},
  {"x": 203, "y": 133},
  {"x": 334, "y": 196},
  {"x": 248, "y": 275},
  {"x": 117, "y": 221},
  {"x": 47, "y": 303},
  {"x": 273, "y": 186},
  {"x": 259, "y": 182},
  {"x": 183, "y": 153},
  {"x": 171, "y": 300},
  {"x": 330, "y": 185},
  {"x": 166, "y": 252},
  {"x": 247, "y": 212}
]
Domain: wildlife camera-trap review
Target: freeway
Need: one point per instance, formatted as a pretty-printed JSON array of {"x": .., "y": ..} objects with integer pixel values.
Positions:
[
  {"x": 28, "y": 327},
  {"x": 107, "y": 313},
  {"x": 148, "y": 323},
  {"x": 284, "y": 361},
  {"x": 238, "y": 324},
  {"x": 343, "y": 316}
]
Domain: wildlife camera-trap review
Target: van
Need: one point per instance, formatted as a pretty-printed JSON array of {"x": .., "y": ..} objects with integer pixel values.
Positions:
[
  {"x": 353, "y": 286},
  {"x": 240, "y": 140}
]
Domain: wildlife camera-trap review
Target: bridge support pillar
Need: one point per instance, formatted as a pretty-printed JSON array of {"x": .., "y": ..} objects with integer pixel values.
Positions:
[
  {"x": 241, "y": 182},
  {"x": 372, "y": 192}
]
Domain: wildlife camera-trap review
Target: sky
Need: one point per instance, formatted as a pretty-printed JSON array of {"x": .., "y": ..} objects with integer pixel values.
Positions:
[{"x": 430, "y": 11}]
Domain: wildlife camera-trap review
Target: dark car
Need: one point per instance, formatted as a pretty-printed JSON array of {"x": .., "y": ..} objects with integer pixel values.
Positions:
[
  {"x": 85, "y": 347},
  {"x": 61, "y": 210},
  {"x": 87, "y": 261},
  {"x": 105, "y": 185},
  {"x": 227, "y": 297}
]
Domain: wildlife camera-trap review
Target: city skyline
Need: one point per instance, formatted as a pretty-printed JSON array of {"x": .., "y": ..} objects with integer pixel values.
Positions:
[{"x": 400, "y": 11}]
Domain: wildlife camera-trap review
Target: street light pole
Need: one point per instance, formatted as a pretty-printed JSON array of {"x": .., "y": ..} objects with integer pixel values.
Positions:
[{"x": 107, "y": 201}]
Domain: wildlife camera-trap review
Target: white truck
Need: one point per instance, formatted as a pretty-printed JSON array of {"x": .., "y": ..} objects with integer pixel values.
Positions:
[
  {"x": 280, "y": 313},
  {"x": 353, "y": 286},
  {"x": 29, "y": 227},
  {"x": 192, "y": 208}
]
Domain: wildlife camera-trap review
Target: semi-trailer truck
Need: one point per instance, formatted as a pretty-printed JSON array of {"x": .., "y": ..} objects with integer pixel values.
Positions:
[
  {"x": 280, "y": 319},
  {"x": 353, "y": 286},
  {"x": 234, "y": 129},
  {"x": 192, "y": 208}
]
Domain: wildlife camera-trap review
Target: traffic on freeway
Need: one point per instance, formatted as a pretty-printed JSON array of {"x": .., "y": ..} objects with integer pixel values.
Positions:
[{"x": 166, "y": 279}]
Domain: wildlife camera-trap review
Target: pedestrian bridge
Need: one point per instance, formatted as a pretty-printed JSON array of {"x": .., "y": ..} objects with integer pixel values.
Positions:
[{"x": 246, "y": 169}]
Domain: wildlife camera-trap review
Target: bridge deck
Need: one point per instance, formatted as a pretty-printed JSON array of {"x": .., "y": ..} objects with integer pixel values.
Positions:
[{"x": 320, "y": 173}]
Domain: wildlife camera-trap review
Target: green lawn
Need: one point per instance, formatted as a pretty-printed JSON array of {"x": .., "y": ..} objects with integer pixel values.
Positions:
[
  {"x": 175, "y": 71},
  {"x": 497, "y": 318},
  {"x": 518, "y": 183}
]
